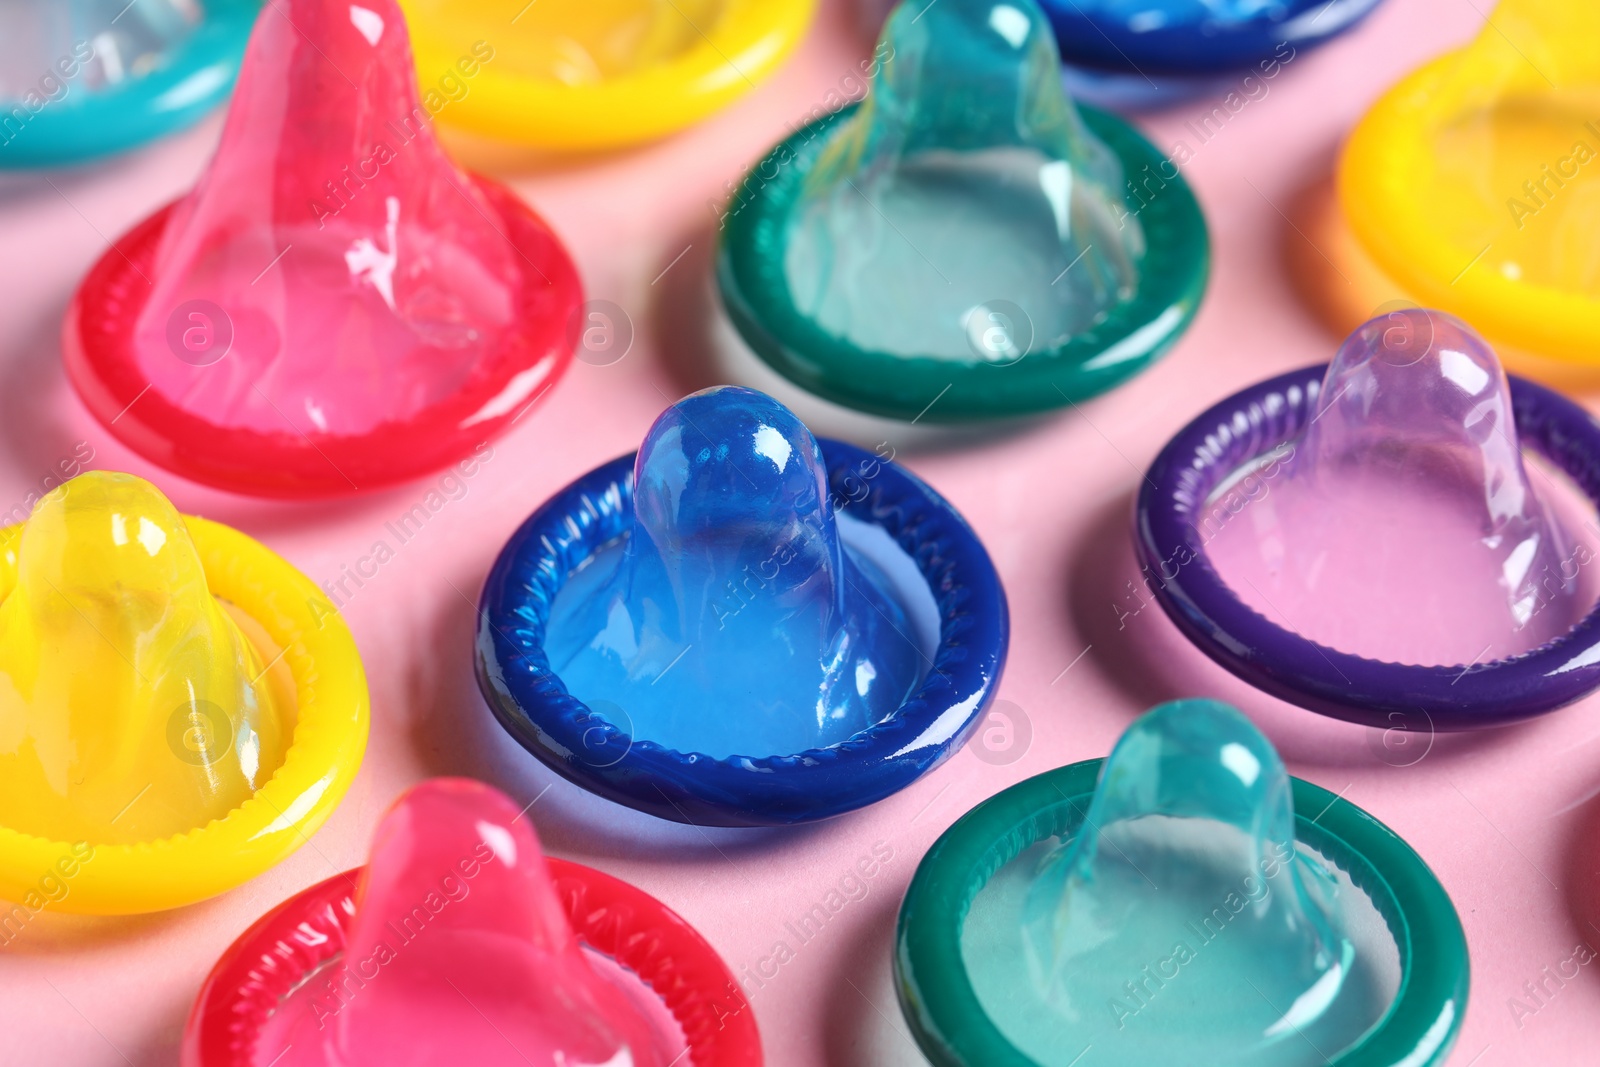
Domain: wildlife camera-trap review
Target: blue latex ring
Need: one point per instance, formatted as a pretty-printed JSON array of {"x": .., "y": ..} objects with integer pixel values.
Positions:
[
  {"x": 85, "y": 125},
  {"x": 1088, "y": 37},
  {"x": 534, "y": 706}
]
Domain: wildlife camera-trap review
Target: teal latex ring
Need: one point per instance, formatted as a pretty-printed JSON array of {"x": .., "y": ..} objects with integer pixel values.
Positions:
[
  {"x": 85, "y": 125},
  {"x": 1134, "y": 333},
  {"x": 954, "y": 1031}
]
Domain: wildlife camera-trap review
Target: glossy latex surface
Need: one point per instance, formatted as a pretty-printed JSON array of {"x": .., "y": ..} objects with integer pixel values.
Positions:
[
  {"x": 132, "y": 707},
  {"x": 1402, "y": 524},
  {"x": 963, "y": 212},
  {"x": 460, "y": 948},
  {"x": 1141, "y": 936},
  {"x": 1474, "y": 182},
  {"x": 732, "y": 620},
  {"x": 333, "y": 286},
  {"x": 1144, "y": 38},
  {"x": 1153, "y": 889},
  {"x": 571, "y": 42},
  {"x": 965, "y": 234},
  {"x": 589, "y": 74}
]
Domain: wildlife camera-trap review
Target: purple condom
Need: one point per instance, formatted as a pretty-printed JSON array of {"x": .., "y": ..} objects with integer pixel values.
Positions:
[{"x": 1370, "y": 541}]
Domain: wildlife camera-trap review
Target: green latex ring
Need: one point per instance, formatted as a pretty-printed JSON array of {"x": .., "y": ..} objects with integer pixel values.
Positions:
[
  {"x": 953, "y": 1030},
  {"x": 1134, "y": 333}
]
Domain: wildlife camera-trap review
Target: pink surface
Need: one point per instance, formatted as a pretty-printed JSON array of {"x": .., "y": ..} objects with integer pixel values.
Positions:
[{"x": 1506, "y": 820}]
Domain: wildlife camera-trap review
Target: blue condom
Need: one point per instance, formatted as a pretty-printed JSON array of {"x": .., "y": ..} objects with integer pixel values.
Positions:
[
  {"x": 1158, "y": 37},
  {"x": 1139, "y": 54},
  {"x": 88, "y": 78},
  {"x": 733, "y": 620},
  {"x": 755, "y": 627}
]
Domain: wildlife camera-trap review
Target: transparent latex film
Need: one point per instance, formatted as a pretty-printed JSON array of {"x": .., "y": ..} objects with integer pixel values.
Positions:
[
  {"x": 1180, "y": 922},
  {"x": 733, "y": 619},
  {"x": 333, "y": 270},
  {"x": 132, "y": 706},
  {"x": 460, "y": 952},
  {"x": 1402, "y": 524},
  {"x": 964, "y": 195}
]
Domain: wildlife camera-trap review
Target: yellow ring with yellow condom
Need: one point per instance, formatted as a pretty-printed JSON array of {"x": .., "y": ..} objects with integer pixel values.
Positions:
[
  {"x": 577, "y": 75},
  {"x": 1474, "y": 186},
  {"x": 202, "y": 611}
]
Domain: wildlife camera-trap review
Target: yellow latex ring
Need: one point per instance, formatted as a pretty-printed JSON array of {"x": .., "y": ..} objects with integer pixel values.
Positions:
[
  {"x": 330, "y": 736},
  {"x": 740, "y": 46},
  {"x": 1388, "y": 206}
]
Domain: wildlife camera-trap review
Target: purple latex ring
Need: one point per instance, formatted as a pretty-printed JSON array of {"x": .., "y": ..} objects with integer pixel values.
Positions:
[{"x": 1174, "y": 499}]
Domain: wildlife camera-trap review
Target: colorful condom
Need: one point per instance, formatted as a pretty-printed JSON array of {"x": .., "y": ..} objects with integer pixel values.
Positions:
[
  {"x": 180, "y": 708},
  {"x": 1364, "y": 539},
  {"x": 1474, "y": 184},
  {"x": 80, "y": 79},
  {"x": 588, "y": 74},
  {"x": 459, "y": 939},
  {"x": 742, "y": 624},
  {"x": 336, "y": 307},
  {"x": 1145, "y": 53},
  {"x": 964, "y": 243},
  {"x": 1184, "y": 901}
]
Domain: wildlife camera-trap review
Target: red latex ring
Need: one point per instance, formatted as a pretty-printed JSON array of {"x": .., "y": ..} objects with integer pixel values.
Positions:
[
  {"x": 635, "y": 929},
  {"x": 97, "y": 344}
]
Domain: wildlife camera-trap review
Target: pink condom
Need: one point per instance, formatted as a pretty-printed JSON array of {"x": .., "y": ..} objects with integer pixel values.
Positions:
[{"x": 336, "y": 307}]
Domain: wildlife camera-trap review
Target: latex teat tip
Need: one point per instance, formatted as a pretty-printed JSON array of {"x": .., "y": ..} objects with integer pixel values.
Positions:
[
  {"x": 736, "y": 619},
  {"x": 136, "y": 706},
  {"x": 1403, "y": 525},
  {"x": 460, "y": 949},
  {"x": 966, "y": 183},
  {"x": 1186, "y": 869}
]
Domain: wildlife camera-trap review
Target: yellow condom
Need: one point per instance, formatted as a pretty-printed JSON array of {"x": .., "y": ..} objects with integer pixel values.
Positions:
[
  {"x": 155, "y": 677},
  {"x": 1475, "y": 183},
  {"x": 131, "y": 707},
  {"x": 583, "y": 74}
]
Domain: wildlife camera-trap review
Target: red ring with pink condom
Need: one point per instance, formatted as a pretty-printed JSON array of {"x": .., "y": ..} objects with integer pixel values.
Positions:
[
  {"x": 460, "y": 938},
  {"x": 336, "y": 307}
]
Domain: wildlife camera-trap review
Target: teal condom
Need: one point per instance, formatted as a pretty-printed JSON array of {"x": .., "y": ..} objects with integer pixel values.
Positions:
[
  {"x": 1192, "y": 919},
  {"x": 964, "y": 233},
  {"x": 1171, "y": 905},
  {"x": 81, "y": 79}
]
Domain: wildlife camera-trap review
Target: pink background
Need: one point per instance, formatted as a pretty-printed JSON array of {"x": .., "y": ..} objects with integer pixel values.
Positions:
[{"x": 1506, "y": 820}]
